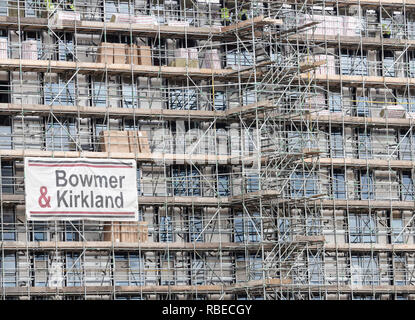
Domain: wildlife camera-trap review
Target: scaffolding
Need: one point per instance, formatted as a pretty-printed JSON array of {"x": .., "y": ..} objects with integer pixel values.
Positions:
[{"x": 273, "y": 140}]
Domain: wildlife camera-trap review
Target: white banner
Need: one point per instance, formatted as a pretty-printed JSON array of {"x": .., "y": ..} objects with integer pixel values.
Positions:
[{"x": 81, "y": 189}]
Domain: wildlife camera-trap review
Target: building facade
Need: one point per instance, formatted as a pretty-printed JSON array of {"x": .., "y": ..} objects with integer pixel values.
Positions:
[{"x": 273, "y": 140}]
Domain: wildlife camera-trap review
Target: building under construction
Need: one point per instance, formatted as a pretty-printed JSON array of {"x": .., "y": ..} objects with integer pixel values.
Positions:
[{"x": 274, "y": 144}]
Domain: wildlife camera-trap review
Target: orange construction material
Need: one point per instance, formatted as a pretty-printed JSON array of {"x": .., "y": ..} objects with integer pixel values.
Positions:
[
  {"x": 131, "y": 232},
  {"x": 105, "y": 53},
  {"x": 114, "y": 141},
  {"x": 144, "y": 55},
  {"x": 132, "y": 54},
  {"x": 119, "y": 53}
]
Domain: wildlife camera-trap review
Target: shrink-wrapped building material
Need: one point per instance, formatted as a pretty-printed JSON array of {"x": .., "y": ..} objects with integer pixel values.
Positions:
[
  {"x": 393, "y": 111},
  {"x": 317, "y": 102},
  {"x": 211, "y": 60},
  {"x": 29, "y": 50}
]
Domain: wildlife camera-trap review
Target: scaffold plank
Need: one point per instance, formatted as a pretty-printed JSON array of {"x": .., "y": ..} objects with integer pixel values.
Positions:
[
  {"x": 367, "y": 3},
  {"x": 363, "y": 163},
  {"x": 194, "y": 201},
  {"x": 341, "y": 119},
  {"x": 360, "y": 81},
  {"x": 367, "y": 204},
  {"x": 112, "y": 112},
  {"x": 140, "y": 157},
  {"x": 130, "y": 246},
  {"x": 52, "y": 66},
  {"x": 266, "y": 284}
]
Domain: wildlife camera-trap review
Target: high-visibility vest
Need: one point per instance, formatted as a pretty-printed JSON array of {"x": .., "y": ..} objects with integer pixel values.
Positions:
[
  {"x": 386, "y": 29},
  {"x": 224, "y": 14},
  {"x": 49, "y": 5}
]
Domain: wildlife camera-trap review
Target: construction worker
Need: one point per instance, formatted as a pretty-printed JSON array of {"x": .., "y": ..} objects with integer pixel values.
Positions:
[
  {"x": 49, "y": 5},
  {"x": 225, "y": 16},
  {"x": 243, "y": 15},
  {"x": 70, "y": 5},
  {"x": 386, "y": 31}
]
